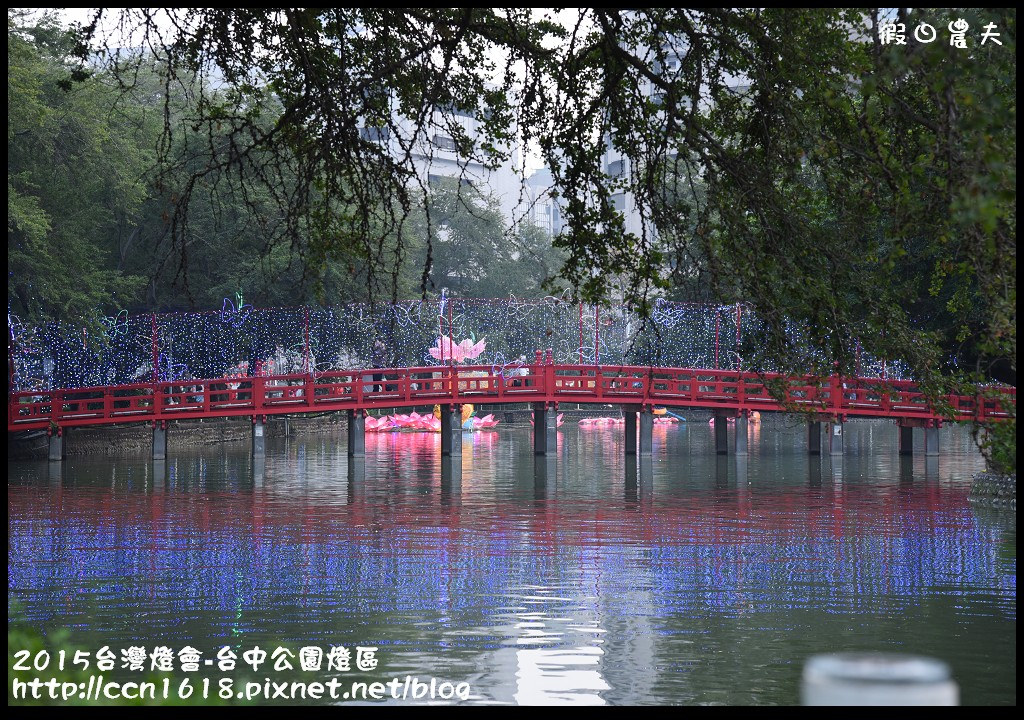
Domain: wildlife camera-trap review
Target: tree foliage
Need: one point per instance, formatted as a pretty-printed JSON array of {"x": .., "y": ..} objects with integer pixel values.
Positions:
[{"x": 74, "y": 174}]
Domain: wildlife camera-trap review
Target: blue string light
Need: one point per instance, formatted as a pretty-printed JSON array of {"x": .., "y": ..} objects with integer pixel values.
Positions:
[{"x": 242, "y": 340}]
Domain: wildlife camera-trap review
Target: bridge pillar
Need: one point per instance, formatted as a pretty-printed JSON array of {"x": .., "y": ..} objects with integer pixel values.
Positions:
[
  {"x": 906, "y": 440},
  {"x": 356, "y": 433},
  {"x": 160, "y": 440},
  {"x": 814, "y": 437},
  {"x": 639, "y": 480},
  {"x": 258, "y": 436},
  {"x": 356, "y": 480},
  {"x": 931, "y": 442},
  {"x": 57, "y": 451},
  {"x": 451, "y": 431},
  {"x": 741, "y": 434},
  {"x": 721, "y": 433},
  {"x": 630, "y": 414},
  {"x": 545, "y": 430},
  {"x": 646, "y": 430},
  {"x": 835, "y": 438}
]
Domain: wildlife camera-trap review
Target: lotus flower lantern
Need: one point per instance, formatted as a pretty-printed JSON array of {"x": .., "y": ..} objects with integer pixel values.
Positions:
[{"x": 447, "y": 349}]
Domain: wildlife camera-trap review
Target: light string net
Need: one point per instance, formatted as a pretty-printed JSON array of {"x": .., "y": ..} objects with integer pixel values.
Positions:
[{"x": 245, "y": 341}]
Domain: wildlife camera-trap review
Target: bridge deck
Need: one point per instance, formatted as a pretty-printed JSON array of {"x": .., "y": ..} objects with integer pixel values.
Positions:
[{"x": 728, "y": 390}]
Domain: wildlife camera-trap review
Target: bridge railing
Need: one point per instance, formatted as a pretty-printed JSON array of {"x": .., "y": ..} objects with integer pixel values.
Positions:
[{"x": 483, "y": 384}]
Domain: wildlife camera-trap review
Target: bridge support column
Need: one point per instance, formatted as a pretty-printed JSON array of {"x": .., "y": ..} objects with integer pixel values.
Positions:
[
  {"x": 451, "y": 431},
  {"x": 814, "y": 437},
  {"x": 741, "y": 435},
  {"x": 258, "y": 436},
  {"x": 835, "y": 438},
  {"x": 57, "y": 451},
  {"x": 646, "y": 430},
  {"x": 160, "y": 440},
  {"x": 545, "y": 430},
  {"x": 630, "y": 414},
  {"x": 721, "y": 433},
  {"x": 356, "y": 433},
  {"x": 906, "y": 440},
  {"x": 931, "y": 442}
]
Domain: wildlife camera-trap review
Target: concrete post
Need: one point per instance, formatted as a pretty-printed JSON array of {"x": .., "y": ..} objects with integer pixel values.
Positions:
[
  {"x": 906, "y": 469},
  {"x": 721, "y": 473},
  {"x": 814, "y": 438},
  {"x": 544, "y": 476},
  {"x": 451, "y": 431},
  {"x": 835, "y": 438},
  {"x": 721, "y": 433},
  {"x": 906, "y": 440},
  {"x": 259, "y": 469},
  {"x": 356, "y": 433},
  {"x": 630, "y": 431},
  {"x": 741, "y": 435},
  {"x": 258, "y": 437},
  {"x": 646, "y": 431},
  {"x": 742, "y": 472},
  {"x": 451, "y": 475},
  {"x": 356, "y": 479},
  {"x": 287, "y": 426},
  {"x": 630, "y": 488},
  {"x": 931, "y": 442},
  {"x": 159, "y": 441},
  {"x": 55, "y": 473},
  {"x": 639, "y": 481},
  {"x": 545, "y": 430},
  {"x": 56, "y": 450},
  {"x": 646, "y": 471},
  {"x": 814, "y": 472}
]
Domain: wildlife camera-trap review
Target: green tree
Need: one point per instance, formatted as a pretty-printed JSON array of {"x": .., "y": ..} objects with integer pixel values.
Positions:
[
  {"x": 473, "y": 254},
  {"x": 75, "y": 166}
]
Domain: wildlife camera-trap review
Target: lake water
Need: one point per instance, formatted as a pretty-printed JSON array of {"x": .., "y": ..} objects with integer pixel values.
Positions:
[{"x": 690, "y": 579}]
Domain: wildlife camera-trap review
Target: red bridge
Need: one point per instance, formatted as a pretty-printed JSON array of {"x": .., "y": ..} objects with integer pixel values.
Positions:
[
  {"x": 729, "y": 393},
  {"x": 729, "y": 390}
]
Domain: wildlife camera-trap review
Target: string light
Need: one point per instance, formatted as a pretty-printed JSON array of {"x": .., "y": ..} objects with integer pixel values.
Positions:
[{"x": 241, "y": 340}]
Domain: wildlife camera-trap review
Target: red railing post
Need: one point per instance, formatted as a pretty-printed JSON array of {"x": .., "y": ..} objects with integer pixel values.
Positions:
[
  {"x": 258, "y": 392},
  {"x": 836, "y": 391},
  {"x": 549, "y": 373},
  {"x": 538, "y": 360}
]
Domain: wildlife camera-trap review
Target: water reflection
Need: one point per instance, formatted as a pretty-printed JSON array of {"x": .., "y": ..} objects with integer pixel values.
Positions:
[
  {"x": 565, "y": 667},
  {"x": 581, "y": 578}
]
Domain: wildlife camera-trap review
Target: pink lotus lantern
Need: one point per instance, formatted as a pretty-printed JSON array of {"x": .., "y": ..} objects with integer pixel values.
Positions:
[{"x": 447, "y": 349}]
